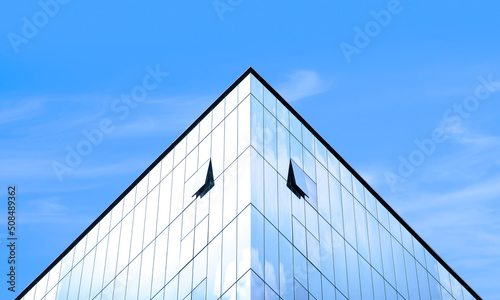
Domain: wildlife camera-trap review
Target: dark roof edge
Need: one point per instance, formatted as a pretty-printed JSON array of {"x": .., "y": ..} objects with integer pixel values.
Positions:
[
  {"x": 131, "y": 186},
  {"x": 365, "y": 184},
  {"x": 250, "y": 70}
]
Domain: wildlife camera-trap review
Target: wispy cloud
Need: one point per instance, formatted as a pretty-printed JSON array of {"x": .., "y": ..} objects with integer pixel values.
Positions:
[
  {"x": 13, "y": 111},
  {"x": 301, "y": 84}
]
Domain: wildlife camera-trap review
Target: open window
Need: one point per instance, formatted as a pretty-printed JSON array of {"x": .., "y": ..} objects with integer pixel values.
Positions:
[
  {"x": 204, "y": 180},
  {"x": 301, "y": 185}
]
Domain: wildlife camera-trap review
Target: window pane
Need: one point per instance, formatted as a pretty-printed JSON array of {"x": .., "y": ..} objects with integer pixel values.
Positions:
[
  {"x": 337, "y": 219},
  {"x": 243, "y": 125},
  {"x": 231, "y": 139},
  {"x": 229, "y": 256},
  {"x": 271, "y": 194},
  {"x": 270, "y": 151},
  {"x": 286, "y": 268},
  {"x": 257, "y": 125},
  {"x": 257, "y": 232},
  {"x": 271, "y": 256},
  {"x": 339, "y": 262},
  {"x": 214, "y": 269}
]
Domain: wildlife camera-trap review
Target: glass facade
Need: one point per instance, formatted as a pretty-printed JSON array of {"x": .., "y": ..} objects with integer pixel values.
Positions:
[{"x": 248, "y": 235}]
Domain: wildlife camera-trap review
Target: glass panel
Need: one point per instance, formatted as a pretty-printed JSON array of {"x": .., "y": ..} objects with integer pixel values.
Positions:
[
  {"x": 201, "y": 236},
  {"x": 231, "y": 139},
  {"x": 214, "y": 268},
  {"x": 353, "y": 273},
  {"x": 185, "y": 281},
  {"x": 270, "y": 294},
  {"x": 299, "y": 267},
  {"x": 435, "y": 288},
  {"x": 423, "y": 283},
  {"x": 151, "y": 216},
  {"x": 243, "y": 243},
  {"x": 286, "y": 268},
  {"x": 117, "y": 288},
  {"x": 200, "y": 291},
  {"x": 282, "y": 114},
  {"x": 99, "y": 264},
  {"x": 243, "y": 125},
  {"x": 328, "y": 289},
  {"x": 323, "y": 193},
  {"x": 371, "y": 203},
  {"x": 104, "y": 223},
  {"x": 257, "y": 287},
  {"x": 230, "y": 194},
  {"x": 419, "y": 252},
  {"x": 230, "y": 294},
  {"x": 361, "y": 230},
  {"x": 296, "y": 151},
  {"x": 299, "y": 236},
  {"x": 456, "y": 288},
  {"x": 295, "y": 127},
  {"x": 176, "y": 204},
  {"x": 411, "y": 273},
  {"x": 257, "y": 125},
  {"x": 407, "y": 240},
  {"x": 285, "y": 209},
  {"x": 339, "y": 262},
  {"x": 399, "y": 266},
  {"x": 174, "y": 243},
  {"x": 309, "y": 164},
  {"x": 337, "y": 219},
  {"x": 325, "y": 240},
  {"x": 300, "y": 292},
  {"x": 138, "y": 229},
  {"x": 111, "y": 254},
  {"x": 271, "y": 194},
  {"x": 86, "y": 281},
  {"x": 374, "y": 241},
  {"x": 444, "y": 277},
  {"x": 349, "y": 220},
  {"x": 231, "y": 101},
  {"x": 378, "y": 286},
  {"x": 191, "y": 163},
  {"x": 205, "y": 126},
  {"x": 387, "y": 258},
  {"x": 167, "y": 164},
  {"x": 271, "y": 268},
  {"x": 270, "y": 101},
  {"x": 283, "y": 137},
  {"x": 257, "y": 240},
  {"x": 314, "y": 281},
  {"x": 270, "y": 150},
  {"x": 74, "y": 282},
  {"x": 204, "y": 151},
  {"x": 146, "y": 273},
  {"x": 171, "y": 289},
  {"x": 164, "y": 203},
  {"x": 215, "y": 210},
  {"x": 142, "y": 190},
  {"x": 312, "y": 220},
  {"x": 187, "y": 246},
  {"x": 365, "y": 274},
  {"x": 395, "y": 227},
  {"x": 257, "y": 182},
  {"x": 307, "y": 139},
  {"x": 358, "y": 190},
  {"x": 346, "y": 177},
  {"x": 431, "y": 264},
  {"x": 160, "y": 262},
  {"x": 229, "y": 256},
  {"x": 192, "y": 138},
  {"x": 244, "y": 180},
  {"x": 333, "y": 165},
  {"x": 256, "y": 88},
  {"x": 383, "y": 215},
  {"x": 320, "y": 153},
  {"x": 218, "y": 150},
  {"x": 218, "y": 113}
]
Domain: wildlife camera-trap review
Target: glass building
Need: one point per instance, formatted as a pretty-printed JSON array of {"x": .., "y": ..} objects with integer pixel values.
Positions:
[{"x": 249, "y": 203}]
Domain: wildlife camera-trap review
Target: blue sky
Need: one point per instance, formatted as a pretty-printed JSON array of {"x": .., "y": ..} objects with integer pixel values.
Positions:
[{"x": 370, "y": 76}]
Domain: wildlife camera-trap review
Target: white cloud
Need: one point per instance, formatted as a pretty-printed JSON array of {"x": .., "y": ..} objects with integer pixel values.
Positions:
[{"x": 302, "y": 84}]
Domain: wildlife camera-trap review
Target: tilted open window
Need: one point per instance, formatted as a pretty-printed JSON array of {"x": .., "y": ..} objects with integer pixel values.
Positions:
[
  {"x": 296, "y": 180},
  {"x": 301, "y": 184},
  {"x": 204, "y": 180}
]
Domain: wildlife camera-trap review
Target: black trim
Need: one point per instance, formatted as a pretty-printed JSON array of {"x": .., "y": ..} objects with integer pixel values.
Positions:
[{"x": 198, "y": 120}]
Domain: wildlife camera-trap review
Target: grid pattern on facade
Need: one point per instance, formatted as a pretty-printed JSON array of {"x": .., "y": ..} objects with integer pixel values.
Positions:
[{"x": 249, "y": 237}]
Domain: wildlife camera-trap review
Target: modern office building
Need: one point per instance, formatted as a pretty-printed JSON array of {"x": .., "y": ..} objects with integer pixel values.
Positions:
[{"x": 249, "y": 203}]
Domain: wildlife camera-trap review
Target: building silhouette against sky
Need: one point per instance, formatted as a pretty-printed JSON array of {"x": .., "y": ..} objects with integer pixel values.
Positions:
[{"x": 249, "y": 203}]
